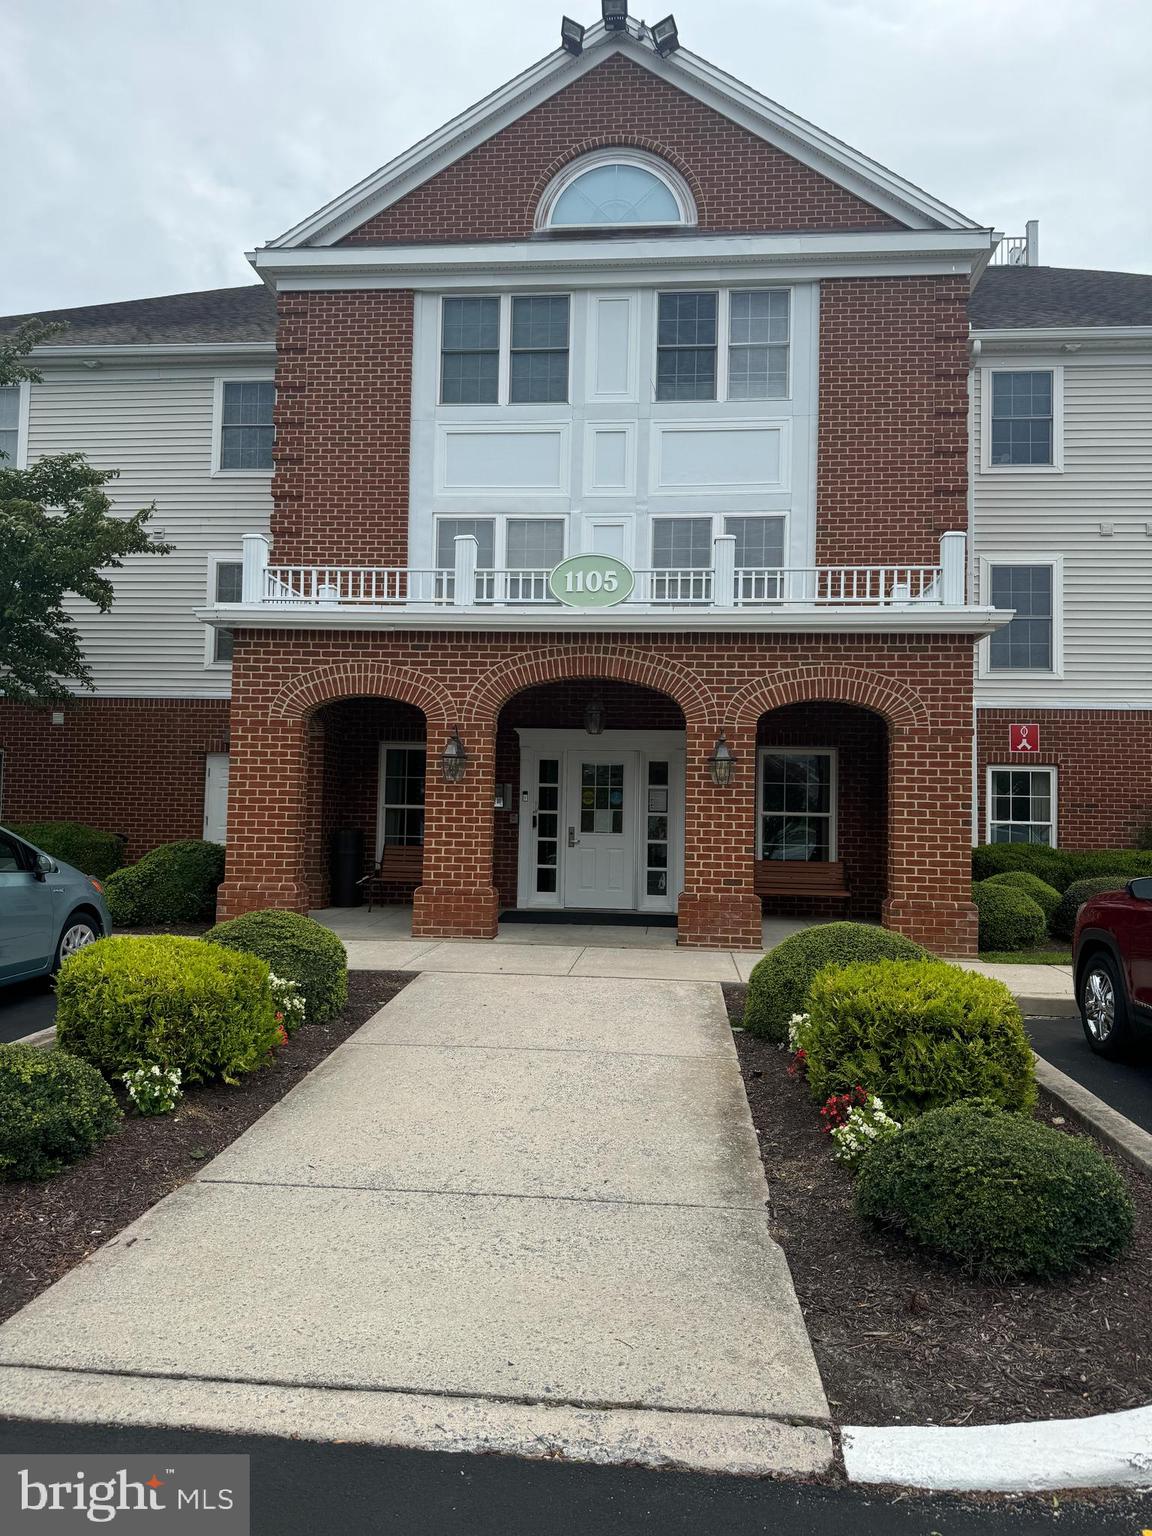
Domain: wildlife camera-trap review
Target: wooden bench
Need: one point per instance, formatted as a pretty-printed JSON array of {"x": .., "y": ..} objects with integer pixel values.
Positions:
[
  {"x": 800, "y": 877},
  {"x": 398, "y": 866}
]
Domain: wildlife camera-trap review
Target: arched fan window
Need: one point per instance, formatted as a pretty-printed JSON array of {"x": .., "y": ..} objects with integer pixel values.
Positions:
[{"x": 615, "y": 190}]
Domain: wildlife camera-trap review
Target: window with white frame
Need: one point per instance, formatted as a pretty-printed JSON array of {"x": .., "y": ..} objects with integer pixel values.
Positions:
[
  {"x": 1022, "y": 805},
  {"x": 510, "y": 350},
  {"x": 402, "y": 794},
  {"x": 532, "y": 545},
  {"x": 1027, "y": 642},
  {"x": 9, "y": 424},
  {"x": 226, "y": 581},
  {"x": 246, "y": 430},
  {"x": 611, "y": 189},
  {"x": 726, "y": 345},
  {"x": 797, "y": 804},
  {"x": 1022, "y": 416},
  {"x": 680, "y": 543}
]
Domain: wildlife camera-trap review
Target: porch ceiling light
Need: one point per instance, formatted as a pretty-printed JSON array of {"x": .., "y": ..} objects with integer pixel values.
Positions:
[
  {"x": 571, "y": 35},
  {"x": 721, "y": 763},
  {"x": 454, "y": 759},
  {"x": 615, "y": 13},
  {"x": 594, "y": 716},
  {"x": 665, "y": 37}
]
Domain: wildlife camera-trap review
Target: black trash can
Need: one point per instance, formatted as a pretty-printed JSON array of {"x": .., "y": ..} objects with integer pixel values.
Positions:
[{"x": 346, "y": 866}]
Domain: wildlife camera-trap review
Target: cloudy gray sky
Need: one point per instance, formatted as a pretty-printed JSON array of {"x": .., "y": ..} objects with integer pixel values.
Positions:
[{"x": 151, "y": 142}]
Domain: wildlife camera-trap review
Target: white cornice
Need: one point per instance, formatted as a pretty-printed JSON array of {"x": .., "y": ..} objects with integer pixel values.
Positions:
[
  {"x": 1077, "y": 338},
  {"x": 687, "y": 72}
]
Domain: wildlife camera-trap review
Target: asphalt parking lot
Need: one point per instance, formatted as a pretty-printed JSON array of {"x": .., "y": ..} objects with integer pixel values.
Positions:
[
  {"x": 25, "y": 1008},
  {"x": 1125, "y": 1085}
]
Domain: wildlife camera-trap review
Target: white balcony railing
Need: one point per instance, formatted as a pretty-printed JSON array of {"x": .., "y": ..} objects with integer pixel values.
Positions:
[
  {"x": 723, "y": 585},
  {"x": 1019, "y": 250}
]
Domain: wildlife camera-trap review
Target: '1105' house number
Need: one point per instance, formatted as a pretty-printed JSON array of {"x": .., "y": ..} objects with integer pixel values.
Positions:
[{"x": 591, "y": 581}]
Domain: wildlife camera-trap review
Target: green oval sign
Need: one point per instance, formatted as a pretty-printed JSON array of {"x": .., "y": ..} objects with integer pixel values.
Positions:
[{"x": 591, "y": 581}]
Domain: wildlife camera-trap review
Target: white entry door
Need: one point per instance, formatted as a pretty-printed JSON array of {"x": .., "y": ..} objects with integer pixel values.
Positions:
[
  {"x": 216, "y": 797},
  {"x": 600, "y": 829}
]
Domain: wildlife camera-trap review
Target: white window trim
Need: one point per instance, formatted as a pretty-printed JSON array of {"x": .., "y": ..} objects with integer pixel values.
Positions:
[
  {"x": 218, "y": 424},
  {"x": 985, "y": 671},
  {"x": 1023, "y": 767},
  {"x": 381, "y": 803},
  {"x": 717, "y": 519},
  {"x": 723, "y": 329},
  {"x": 500, "y": 533},
  {"x": 20, "y": 459},
  {"x": 504, "y": 360},
  {"x": 1057, "y": 465},
  {"x": 833, "y": 753},
  {"x": 229, "y": 557},
  {"x": 664, "y": 172}
]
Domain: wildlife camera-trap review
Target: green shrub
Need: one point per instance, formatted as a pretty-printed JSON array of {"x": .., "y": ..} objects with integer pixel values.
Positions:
[
  {"x": 296, "y": 949},
  {"x": 778, "y": 985},
  {"x": 175, "y": 883},
  {"x": 1144, "y": 837},
  {"x": 1129, "y": 862},
  {"x": 54, "y": 1108},
  {"x": 1048, "y": 864},
  {"x": 1063, "y": 921},
  {"x": 131, "y": 1002},
  {"x": 1009, "y": 919},
  {"x": 920, "y": 1034},
  {"x": 1046, "y": 896},
  {"x": 86, "y": 848},
  {"x": 1003, "y": 1195}
]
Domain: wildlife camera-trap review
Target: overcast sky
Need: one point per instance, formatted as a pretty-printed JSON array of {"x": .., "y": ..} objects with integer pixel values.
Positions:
[{"x": 149, "y": 143}]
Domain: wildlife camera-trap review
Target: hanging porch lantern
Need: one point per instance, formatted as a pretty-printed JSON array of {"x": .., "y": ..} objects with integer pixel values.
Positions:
[
  {"x": 721, "y": 763},
  {"x": 594, "y": 715},
  {"x": 454, "y": 759}
]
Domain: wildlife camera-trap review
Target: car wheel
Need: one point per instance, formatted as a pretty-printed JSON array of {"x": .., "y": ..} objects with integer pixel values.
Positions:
[
  {"x": 78, "y": 933},
  {"x": 1104, "y": 1007}
]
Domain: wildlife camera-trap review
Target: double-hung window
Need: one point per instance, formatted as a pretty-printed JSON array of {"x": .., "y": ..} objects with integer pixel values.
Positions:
[
  {"x": 9, "y": 424},
  {"x": 1023, "y": 419},
  {"x": 797, "y": 804},
  {"x": 504, "y": 351},
  {"x": 246, "y": 431},
  {"x": 226, "y": 586},
  {"x": 1029, "y": 642},
  {"x": 513, "y": 555},
  {"x": 731, "y": 345},
  {"x": 682, "y": 556},
  {"x": 402, "y": 795},
  {"x": 1022, "y": 805}
]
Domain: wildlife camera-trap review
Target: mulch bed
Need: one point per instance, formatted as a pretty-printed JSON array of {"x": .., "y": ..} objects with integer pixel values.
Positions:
[
  {"x": 903, "y": 1338},
  {"x": 47, "y": 1228}
]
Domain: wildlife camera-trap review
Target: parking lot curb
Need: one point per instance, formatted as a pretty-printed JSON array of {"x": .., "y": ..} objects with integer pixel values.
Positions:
[{"x": 1109, "y": 1124}]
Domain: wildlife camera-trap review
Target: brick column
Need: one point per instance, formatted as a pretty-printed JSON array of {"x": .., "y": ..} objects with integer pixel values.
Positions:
[
  {"x": 718, "y": 908},
  {"x": 930, "y": 839},
  {"x": 273, "y": 815},
  {"x": 457, "y": 899}
]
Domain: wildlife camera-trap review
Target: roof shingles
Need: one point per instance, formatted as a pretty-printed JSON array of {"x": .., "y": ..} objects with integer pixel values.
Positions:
[{"x": 1020, "y": 298}]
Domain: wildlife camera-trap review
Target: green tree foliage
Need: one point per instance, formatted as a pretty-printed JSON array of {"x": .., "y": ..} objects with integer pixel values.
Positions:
[{"x": 58, "y": 537}]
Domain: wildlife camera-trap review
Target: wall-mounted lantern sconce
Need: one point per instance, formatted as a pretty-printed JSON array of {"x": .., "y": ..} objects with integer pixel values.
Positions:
[
  {"x": 454, "y": 759},
  {"x": 594, "y": 715},
  {"x": 721, "y": 763}
]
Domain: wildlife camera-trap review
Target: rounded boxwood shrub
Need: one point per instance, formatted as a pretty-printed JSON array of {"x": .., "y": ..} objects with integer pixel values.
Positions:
[
  {"x": 86, "y": 848},
  {"x": 296, "y": 949},
  {"x": 1049, "y": 864},
  {"x": 175, "y": 883},
  {"x": 1009, "y": 919},
  {"x": 1046, "y": 896},
  {"x": 1063, "y": 920},
  {"x": 54, "y": 1108},
  {"x": 919, "y": 1034},
  {"x": 1000, "y": 1194},
  {"x": 130, "y": 1002},
  {"x": 1129, "y": 862},
  {"x": 778, "y": 985}
]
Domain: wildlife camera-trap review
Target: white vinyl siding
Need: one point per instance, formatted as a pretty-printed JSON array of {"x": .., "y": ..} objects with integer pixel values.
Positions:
[
  {"x": 155, "y": 425},
  {"x": 1095, "y": 517}
]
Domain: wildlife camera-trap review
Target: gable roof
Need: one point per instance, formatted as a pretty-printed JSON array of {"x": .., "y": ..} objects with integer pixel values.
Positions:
[
  {"x": 802, "y": 140},
  {"x": 1019, "y": 298},
  {"x": 220, "y": 315}
]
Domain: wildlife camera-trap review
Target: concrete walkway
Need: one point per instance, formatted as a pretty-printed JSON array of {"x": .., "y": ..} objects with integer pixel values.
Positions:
[{"x": 517, "y": 1213}]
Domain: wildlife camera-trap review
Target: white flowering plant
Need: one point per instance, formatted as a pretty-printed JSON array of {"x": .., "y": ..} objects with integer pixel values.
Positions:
[
  {"x": 289, "y": 1003},
  {"x": 796, "y": 1027},
  {"x": 154, "y": 1090},
  {"x": 865, "y": 1123}
]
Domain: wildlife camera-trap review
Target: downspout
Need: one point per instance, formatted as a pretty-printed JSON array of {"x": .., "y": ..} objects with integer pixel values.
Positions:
[{"x": 975, "y": 359}]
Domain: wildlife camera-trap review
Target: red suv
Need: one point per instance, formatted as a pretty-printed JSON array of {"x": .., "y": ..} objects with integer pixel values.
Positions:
[{"x": 1113, "y": 963}]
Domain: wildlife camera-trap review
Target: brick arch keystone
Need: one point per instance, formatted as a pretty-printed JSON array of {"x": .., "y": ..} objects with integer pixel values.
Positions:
[
  {"x": 901, "y": 706},
  {"x": 363, "y": 679},
  {"x": 645, "y": 669},
  {"x": 617, "y": 141}
]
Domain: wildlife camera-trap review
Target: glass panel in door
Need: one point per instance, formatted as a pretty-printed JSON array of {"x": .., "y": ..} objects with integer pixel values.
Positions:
[{"x": 600, "y": 857}]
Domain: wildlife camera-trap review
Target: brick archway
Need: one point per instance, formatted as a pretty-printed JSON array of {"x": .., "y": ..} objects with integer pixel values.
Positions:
[
  {"x": 901, "y": 706},
  {"x": 642, "y": 668},
  {"x": 363, "y": 679}
]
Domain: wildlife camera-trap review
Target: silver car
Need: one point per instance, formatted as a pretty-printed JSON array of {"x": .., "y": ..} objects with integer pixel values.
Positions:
[{"x": 48, "y": 910}]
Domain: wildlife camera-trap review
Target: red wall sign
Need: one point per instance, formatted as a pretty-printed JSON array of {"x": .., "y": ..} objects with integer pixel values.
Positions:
[{"x": 1024, "y": 738}]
